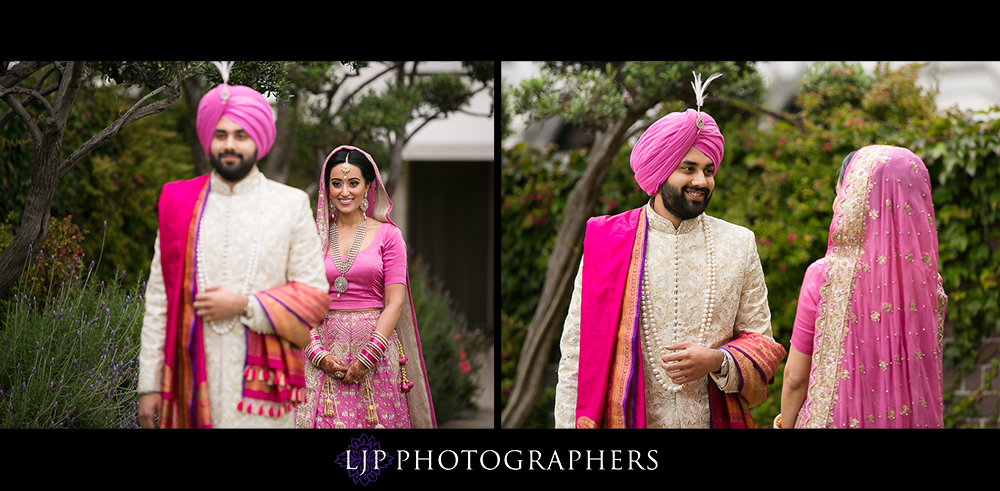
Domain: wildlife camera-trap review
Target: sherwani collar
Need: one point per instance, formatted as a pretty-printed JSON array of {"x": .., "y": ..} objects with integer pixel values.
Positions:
[
  {"x": 661, "y": 224},
  {"x": 246, "y": 185}
]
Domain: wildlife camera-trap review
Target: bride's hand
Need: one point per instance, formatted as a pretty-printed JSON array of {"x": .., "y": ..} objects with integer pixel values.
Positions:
[
  {"x": 330, "y": 364},
  {"x": 356, "y": 372}
]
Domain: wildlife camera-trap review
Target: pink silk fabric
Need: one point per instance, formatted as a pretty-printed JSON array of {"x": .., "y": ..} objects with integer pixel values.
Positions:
[
  {"x": 609, "y": 382},
  {"x": 185, "y": 381},
  {"x": 877, "y": 345},
  {"x": 663, "y": 145},
  {"x": 383, "y": 262},
  {"x": 805, "y": 312}
]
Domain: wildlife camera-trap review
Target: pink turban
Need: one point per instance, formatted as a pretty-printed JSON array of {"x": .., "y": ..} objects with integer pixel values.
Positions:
[
  {"x": 245, "y": 107},
  {"x": 663, "y": 145}
]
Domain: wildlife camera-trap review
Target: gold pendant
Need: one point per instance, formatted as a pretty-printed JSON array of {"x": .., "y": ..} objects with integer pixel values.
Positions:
[{"x": 340, "y": 284}]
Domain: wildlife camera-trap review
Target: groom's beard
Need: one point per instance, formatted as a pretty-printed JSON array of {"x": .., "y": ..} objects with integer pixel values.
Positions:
[
  {"x": 234, "y": 172},
  {"x": 675, "y": 201}
]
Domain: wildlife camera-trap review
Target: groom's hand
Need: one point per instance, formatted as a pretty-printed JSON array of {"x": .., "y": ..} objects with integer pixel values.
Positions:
[
  {"x": 219, "y": 302},
  {"x": 690, "y": 361}
]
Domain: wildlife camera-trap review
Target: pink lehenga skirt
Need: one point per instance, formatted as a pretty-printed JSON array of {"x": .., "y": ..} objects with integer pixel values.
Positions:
[{"x": 331, "y": 403}]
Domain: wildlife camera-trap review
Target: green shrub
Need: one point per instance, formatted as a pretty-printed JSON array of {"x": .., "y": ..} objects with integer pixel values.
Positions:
[
  {"x": 50, "y": 266},
  {"x": 446, "y": 343},
  {"x": 71, "y": 361}
]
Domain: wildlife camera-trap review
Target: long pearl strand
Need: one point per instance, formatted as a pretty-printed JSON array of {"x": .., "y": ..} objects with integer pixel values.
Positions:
[
  {"x": 254, "y": 255},
  {"x": 649, "y": 324}
]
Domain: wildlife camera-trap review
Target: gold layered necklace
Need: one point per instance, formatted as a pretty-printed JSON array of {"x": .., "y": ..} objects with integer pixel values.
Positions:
[{"x": 340, "y": 284}]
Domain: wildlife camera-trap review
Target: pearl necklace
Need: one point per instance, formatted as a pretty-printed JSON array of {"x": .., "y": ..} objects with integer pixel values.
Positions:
[
  {"x": 649, "y": 325},
  {"x": 254, "y": 254},
  {"x": 340, "y": 284}
]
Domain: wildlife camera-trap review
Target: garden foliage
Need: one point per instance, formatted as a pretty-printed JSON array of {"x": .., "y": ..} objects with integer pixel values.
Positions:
[{"x": 69, "y": 345}]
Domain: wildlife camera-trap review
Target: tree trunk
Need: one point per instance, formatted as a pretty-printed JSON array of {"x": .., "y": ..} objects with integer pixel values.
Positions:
[
  {"x": 44, "y": 181},
  {"x": 280, "y": 156},
  {"x": 560, "y": 273},
  {"x": 192, "y": 96},
  {"x": 395, "y": 161}
]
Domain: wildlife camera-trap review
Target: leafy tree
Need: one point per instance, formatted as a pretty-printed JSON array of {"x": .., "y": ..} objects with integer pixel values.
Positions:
[{"x": 364, "y": 115}]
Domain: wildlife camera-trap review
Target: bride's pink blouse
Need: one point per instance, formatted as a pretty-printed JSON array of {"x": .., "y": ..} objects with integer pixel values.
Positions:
[{"x": 381, "y": 263}]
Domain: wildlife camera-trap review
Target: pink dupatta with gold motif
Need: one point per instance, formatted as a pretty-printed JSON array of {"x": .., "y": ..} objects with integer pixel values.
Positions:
[{"x": 877, "y": 346}]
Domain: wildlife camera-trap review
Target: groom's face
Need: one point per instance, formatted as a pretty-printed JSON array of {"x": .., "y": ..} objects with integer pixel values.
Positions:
[
  {"x": 688, "y": 190},
  {"x": 232, "y": 153}
]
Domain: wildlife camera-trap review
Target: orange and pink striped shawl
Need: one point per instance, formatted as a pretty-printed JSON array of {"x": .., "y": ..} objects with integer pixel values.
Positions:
[
  {"x": 271, "y": 359},
  {"x": 756, "y": 358},
  {"x": 274, "y": 377},
  {"x": 610, "y": 388}
]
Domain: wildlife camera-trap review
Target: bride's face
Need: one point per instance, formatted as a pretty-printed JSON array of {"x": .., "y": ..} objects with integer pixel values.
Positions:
[{"x": 346, "y": 189}]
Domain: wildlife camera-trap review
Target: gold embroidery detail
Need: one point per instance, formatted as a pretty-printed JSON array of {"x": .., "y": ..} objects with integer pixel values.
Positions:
[
  {"x": 906, "y": 410},
  {"x": 908, "y": 209},
  {"x": 913, "y": 306},
  {"x": 883, "y": 365},
  {"x": 888, "y": 203},
  {"x": 923, "y": 402},
  {"x": 861, "y": 368},
  {"x": 930, "y": 219},
  {"x": 890, "y": 414},
  {"x": 915, "y": 167},
  {"x": 866, "y": 267},
  {"x": 887, "y": 307},
  {"x": 919, "y": 354},
  {"x": 875, "y": 317},
  {"x": 833, "y": 313},
  {"x": 909, "y": 256},
  {"x": 870, "y": 418},
  {"x": 584, "y": 422},
  {"x": 880, "y": 259},
  {"x": 854, "y": 423},
  {"x": 927, "y": 259},
  {"x": 873, "y": 213}
]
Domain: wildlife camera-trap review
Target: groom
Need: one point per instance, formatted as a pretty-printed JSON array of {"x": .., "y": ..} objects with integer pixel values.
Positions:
[
  {"x": 669, "y": 325},
  {"x": 236, "y": 282}
]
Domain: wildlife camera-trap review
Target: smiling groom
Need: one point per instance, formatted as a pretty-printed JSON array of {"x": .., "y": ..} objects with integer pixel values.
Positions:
[{"x": 669, "y": 325}]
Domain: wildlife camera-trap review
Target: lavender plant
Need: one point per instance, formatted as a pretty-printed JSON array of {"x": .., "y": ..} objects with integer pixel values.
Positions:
[{"x": 69, "y": 360}]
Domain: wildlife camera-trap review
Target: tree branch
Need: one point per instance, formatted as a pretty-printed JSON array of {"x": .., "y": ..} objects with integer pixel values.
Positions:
[
  {"x": 791, "y": 119},
  {"x": 17, "y": 108},
  {"x": 365, "y": 84},
  {"x": 21, "y": 71},
  {"x": 136, "y": 112}
]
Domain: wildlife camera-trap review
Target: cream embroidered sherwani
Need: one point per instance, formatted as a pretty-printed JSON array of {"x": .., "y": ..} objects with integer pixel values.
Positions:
[
  {"x": 289, "y": 251},
  {"x": 741, "y": 306}
]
